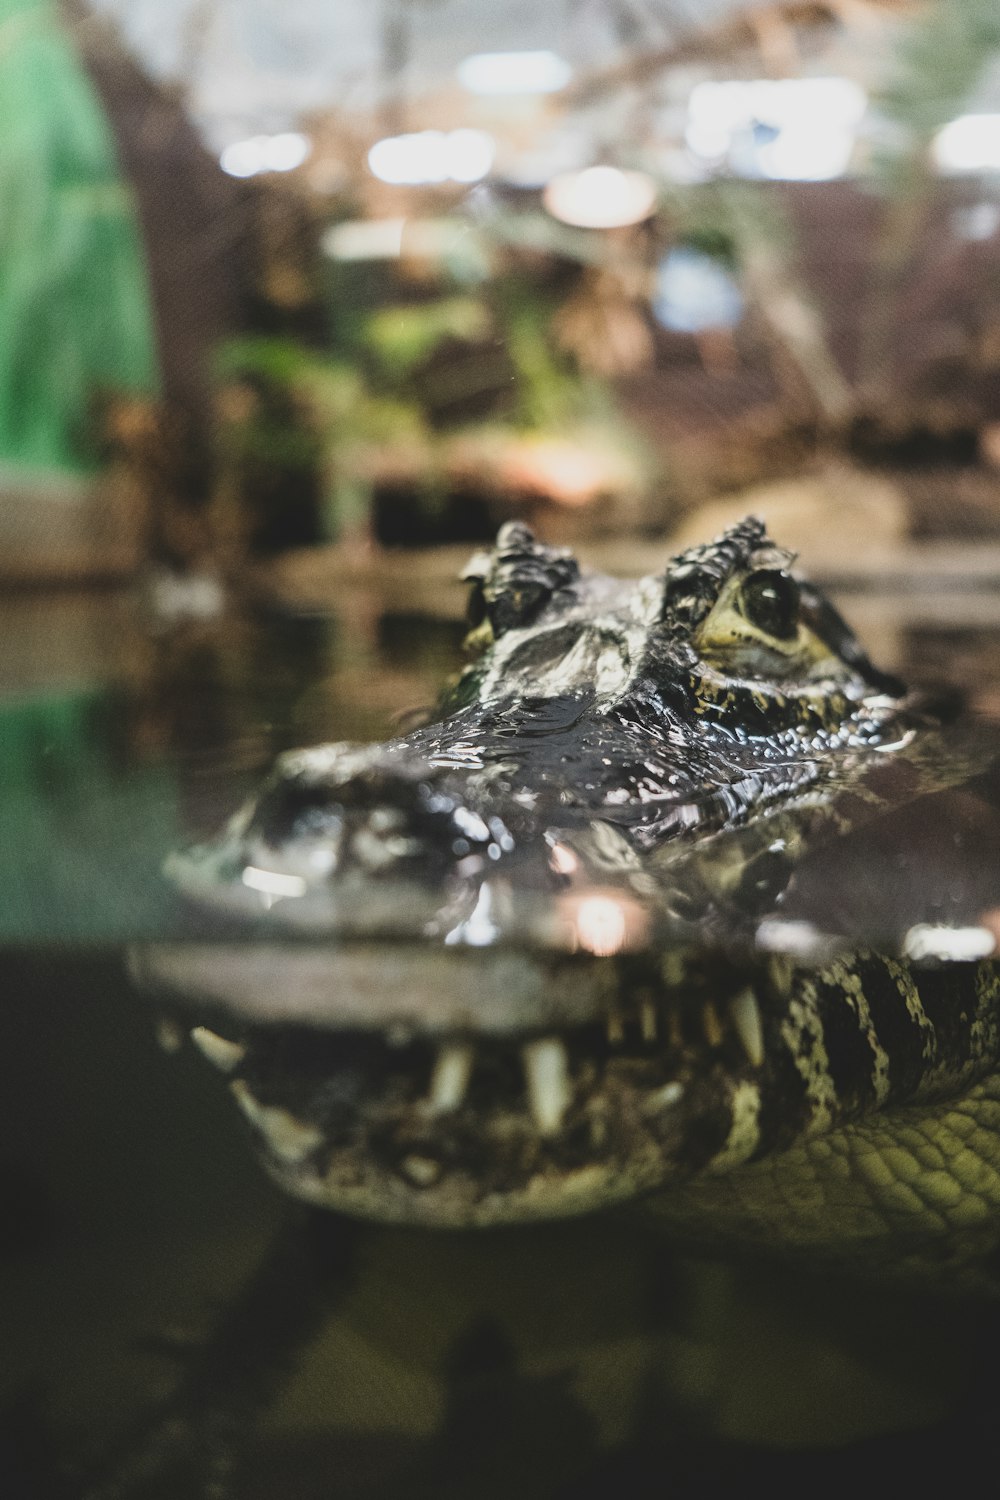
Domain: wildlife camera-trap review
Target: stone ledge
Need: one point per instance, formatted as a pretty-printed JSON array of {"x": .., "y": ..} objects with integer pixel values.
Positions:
[
  {"x": 64, "y": 528},
  {"x": 426, "y": 579}
]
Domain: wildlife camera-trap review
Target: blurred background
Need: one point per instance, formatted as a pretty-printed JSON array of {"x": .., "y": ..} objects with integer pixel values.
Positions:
[
  {"x": 381, "y": 276},
  {"x": 298, "y": 303}
]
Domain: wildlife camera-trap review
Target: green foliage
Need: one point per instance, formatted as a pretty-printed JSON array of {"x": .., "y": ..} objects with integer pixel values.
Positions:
[
  {"x": 942, "y": 54},
  {"x": 310, "y": 413},
  {"x": 280, "y": 361},
  {"x": 716, "y": 240},
  {"x": 382, "y": 411},
  {"x": 328, "y": 397},
  {"x": 550, "y": 396},
  {"x": 734, "y": 219},
  {"x": 403, "y": 337},
  {"x": 75, "y": 315}
]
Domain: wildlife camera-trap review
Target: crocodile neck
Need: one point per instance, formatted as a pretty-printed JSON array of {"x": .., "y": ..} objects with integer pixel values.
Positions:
[{"x": 912, "y": 1184}]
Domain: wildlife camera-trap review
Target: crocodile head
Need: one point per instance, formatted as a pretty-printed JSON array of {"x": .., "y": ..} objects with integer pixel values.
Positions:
[
  {"x": 504, "y": 966},
  {"x": 626, "y": 715}
]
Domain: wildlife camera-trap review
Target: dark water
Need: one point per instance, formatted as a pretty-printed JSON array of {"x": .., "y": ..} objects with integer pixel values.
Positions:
[
  {"x": 169, "y": 1322},
  {"x": 119, "y": 743}
]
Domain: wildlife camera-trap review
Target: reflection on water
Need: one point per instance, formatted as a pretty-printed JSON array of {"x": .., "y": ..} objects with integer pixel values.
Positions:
[
  {"x": 152, "y": 1279},
  {"x": 112, "y": 760},
  {"x": 149, "y": 741},
  {"x": 157, "y": 1290}
]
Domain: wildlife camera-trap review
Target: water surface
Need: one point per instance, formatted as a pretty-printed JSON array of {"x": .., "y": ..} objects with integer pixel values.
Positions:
[{"x": 488, "y": 1364}]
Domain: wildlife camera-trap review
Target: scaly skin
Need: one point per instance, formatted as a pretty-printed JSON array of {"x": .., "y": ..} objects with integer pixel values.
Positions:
[
  {"x": 915, "y": 1183},
  {"x": 531, "y": 976}
]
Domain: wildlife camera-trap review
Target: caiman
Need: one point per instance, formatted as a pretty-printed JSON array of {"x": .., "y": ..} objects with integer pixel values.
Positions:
[{"x": 629, "y": 918}]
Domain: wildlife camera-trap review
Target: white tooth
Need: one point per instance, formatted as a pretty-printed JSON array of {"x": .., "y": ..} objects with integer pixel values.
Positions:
[
  {"x": 289, "y": 1138},
  {"x": 616, "y": 1029},
  {"x": 221, "y": 1053},
  {"x": 745, "y": 1015},
  {"x": 546, "y": 1069},
  {"x": 450, "y": 1078},
  {"x": 648, "y": 1020}
]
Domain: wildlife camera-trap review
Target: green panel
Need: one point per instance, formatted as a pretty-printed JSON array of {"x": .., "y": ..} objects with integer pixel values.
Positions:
[
  {"x": 75, "y": 313},
  {"x": 84, "y": 827}
]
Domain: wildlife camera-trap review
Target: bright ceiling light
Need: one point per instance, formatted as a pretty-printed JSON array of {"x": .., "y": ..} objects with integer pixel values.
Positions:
[
  {"x": 429, "y": 156},
  {"x": 514, "y": 73},
  {"x": 790, "y": 129},
  {"x": 817, "y": 154},
  {"x": 969, "y": 144},
  {"x": 723, "y": 107},
  {"x": 285, "y": 152},
  {"x": 470, "y": 154},
  {"x": 243, "y": 158},
  {"x": 600, "y": 198},
  {"x": 423, "y": 239},
  {"x": 266, "y": 153},
  {"x": 365, "y": 239}
]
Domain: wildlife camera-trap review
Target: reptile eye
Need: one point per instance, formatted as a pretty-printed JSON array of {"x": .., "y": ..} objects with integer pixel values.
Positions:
[
  {"x": 770, "y": 601},
  {"x": 475, "y": 610}
]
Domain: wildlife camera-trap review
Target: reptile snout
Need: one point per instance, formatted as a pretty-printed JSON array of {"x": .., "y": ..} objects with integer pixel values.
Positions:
[{"x": 343, "y": 810}]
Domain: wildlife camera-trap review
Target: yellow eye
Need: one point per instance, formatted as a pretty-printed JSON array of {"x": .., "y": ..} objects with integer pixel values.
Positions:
[{"x": 769, "y": 600}]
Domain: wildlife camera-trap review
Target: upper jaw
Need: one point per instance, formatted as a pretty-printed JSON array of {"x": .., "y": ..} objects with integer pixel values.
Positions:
[
  {"x": 357, "y": 845},
  {"x": 479, "y": 1127}
]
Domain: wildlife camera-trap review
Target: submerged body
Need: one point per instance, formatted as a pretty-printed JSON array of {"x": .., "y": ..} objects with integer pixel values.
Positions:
[{"x": 542, "y": 944}]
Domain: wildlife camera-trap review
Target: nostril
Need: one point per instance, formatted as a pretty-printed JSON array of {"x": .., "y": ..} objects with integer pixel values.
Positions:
[
  {"x": 313, "y": 793},
  {"x": 343, "y": 808}
]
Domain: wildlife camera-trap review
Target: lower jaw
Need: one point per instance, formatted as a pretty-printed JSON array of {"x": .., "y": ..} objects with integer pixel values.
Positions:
[
  {"x": 457, "y": 1201},
  {"x": 402, "y": 1165}
]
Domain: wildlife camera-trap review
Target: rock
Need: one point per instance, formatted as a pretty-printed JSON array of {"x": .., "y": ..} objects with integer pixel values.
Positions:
[{"x": 825, "y": 517}]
